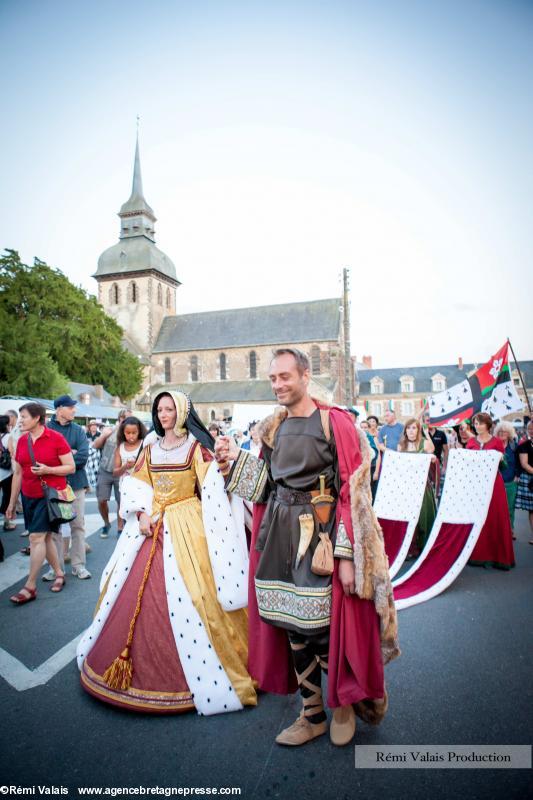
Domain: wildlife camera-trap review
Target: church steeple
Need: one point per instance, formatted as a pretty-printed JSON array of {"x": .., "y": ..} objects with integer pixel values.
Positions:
[{"x": 137, "y": 218}]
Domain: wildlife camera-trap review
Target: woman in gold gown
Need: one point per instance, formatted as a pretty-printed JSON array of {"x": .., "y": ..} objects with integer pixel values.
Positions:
[{"x": 162, "y": 639}]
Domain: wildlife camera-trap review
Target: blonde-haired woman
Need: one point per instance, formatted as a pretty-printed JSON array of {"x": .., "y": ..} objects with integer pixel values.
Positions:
[
  {"x": 509, "y": 469},
  {"x": 415, "y": 439}
]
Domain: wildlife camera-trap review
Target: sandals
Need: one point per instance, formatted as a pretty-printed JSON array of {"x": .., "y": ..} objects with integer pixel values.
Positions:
[
  {"x": 25, "y": 551},
  {"x": 58, "y": 584},
  {"x": 19, "y": 599}
]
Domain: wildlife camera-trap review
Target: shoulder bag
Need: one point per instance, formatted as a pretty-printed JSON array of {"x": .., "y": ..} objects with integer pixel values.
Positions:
[{"x": 58, "y": 501}]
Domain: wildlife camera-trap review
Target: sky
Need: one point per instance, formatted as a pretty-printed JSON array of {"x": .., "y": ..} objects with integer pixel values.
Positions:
[{"x": 280, "y": 142}]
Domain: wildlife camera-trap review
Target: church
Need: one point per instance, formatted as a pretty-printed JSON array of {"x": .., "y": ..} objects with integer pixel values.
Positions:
[{"x": 219, "y": 358}]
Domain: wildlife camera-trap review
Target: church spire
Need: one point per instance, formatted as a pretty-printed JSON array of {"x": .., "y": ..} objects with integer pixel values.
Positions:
[
  {"x": 137, "y": 186},
  {"x": 136, "y": 215}
]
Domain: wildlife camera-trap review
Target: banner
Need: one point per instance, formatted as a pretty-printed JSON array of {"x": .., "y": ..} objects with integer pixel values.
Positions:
[{"x": 489, "y": 389}]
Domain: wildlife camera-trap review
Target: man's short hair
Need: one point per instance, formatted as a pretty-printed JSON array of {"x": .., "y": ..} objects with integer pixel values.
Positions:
[{"x": 301, "y": 358}]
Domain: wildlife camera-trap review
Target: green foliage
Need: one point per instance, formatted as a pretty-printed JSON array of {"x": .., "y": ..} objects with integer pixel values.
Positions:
[{"x": 51, "y": 331}]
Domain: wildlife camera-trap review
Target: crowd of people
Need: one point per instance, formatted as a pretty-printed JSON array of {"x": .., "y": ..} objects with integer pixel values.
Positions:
[
  {"x": 320, "y": 597},
  {"x": 104, "y": 454}
]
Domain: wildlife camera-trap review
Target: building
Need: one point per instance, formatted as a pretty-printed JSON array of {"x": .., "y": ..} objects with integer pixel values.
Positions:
[
  {"x": 404, "y": 389},
  {"x": 218, "y": 357}
]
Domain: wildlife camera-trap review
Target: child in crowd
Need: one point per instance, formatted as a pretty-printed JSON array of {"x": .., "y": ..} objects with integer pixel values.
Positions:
[{"x": 130, "y": 437}]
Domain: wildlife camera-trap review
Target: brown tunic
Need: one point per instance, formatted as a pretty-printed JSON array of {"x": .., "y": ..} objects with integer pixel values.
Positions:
[{"x": 290, "y": 597}]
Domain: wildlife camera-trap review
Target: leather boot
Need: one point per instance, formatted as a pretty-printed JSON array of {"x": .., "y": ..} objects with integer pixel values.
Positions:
[
  {"x": 301, "y": 731},
  {"x": 342, "y": 728}
]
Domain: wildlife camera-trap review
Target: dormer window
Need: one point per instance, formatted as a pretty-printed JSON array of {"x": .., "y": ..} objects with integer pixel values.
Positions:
[
  {"x": 407, "y": 383},
  {"x": 376, "y": 386},
  {"x": 438, "y": 383}
]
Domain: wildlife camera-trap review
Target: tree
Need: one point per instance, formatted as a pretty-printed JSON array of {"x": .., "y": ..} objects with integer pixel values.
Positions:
[{"x": 52, "y": 331}]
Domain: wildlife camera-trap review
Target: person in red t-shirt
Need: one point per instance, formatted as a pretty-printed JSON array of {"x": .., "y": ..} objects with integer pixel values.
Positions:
[{"x": 54, "y": 460}]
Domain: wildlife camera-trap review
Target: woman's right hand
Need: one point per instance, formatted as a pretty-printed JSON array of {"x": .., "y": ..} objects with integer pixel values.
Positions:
[
  {"x": 145, "y": 524},
  {"x": 226, "y": 449},
  {"x": 10, "y": 512}
]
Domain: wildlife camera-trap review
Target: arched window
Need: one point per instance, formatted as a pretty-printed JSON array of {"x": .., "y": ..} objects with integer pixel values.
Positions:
[
  {"x": 213, "y": 415},
  {"x": 222, "y": 366},
  {"x": 159, "y": 295},
  {"x": 169, "y": 298},
  {"x": 193, "y": 368},
  {"x": 114, "y": 294},
  {"x": 167, "y": 370},
  {"x": 315, "y": 360},
  {"x": 133, "y": 292},
  {"x": 253, "y": 364}
]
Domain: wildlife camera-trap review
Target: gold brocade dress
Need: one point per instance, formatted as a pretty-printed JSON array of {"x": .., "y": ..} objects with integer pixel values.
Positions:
[{"x": 186, "y": 651}]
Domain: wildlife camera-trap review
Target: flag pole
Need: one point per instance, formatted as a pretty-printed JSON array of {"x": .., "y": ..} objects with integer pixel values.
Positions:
[{"x": 517, "y": 365}]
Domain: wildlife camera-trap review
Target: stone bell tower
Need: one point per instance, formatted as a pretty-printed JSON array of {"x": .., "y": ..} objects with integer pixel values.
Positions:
[{"x": 136, "y": 281}]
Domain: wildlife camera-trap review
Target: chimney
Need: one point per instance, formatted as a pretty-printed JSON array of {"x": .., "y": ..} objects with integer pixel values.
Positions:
[
  {"x": 367, "y": 361},
  {"x": 460, "y": 363}
]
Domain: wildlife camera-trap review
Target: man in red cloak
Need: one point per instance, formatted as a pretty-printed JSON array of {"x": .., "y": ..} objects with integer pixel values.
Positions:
[{"x": 319, "y": 584}]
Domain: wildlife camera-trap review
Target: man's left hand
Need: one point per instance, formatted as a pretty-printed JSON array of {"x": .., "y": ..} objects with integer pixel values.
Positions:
[{"x": 347, "y": 576}]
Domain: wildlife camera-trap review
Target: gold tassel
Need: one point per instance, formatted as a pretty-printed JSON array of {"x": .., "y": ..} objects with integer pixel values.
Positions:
[{"x": 119, "y": 674}]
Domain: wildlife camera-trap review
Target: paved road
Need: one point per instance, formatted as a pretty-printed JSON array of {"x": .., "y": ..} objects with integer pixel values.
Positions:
[{"x": 464, "y": 678}]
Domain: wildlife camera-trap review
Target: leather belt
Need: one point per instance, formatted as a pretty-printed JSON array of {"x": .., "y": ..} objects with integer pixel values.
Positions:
[{"x": 292, "y": 497}]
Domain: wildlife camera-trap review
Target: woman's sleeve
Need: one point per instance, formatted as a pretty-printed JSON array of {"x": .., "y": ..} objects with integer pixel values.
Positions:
[
  {"x": 136, "y": 491},
  {"x": 202, "y": 462}
]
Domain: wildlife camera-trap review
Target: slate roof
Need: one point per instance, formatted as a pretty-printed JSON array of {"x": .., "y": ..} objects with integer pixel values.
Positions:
[
  {"x": 222, "y": 391},
  {"x": 135, "y": 254},
  {"x": 313, "y": 321},
  {"x": 229, "y": 391},
  {"x": 87, "y": 388},
  {"x": 422, "y": 376}
]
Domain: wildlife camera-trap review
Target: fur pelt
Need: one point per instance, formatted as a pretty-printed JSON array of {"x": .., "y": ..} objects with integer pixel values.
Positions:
[
  {"x": 372, "y": 580},
  {"x": 267, "y": 427},
  {"x": 372, "y": 711}
]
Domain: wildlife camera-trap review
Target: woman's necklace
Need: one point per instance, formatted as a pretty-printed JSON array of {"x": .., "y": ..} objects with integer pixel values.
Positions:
[{"x": 181, "y": 440}]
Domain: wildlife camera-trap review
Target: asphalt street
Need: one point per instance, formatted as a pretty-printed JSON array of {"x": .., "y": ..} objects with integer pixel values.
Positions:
[{"x": 464, "y": 677}]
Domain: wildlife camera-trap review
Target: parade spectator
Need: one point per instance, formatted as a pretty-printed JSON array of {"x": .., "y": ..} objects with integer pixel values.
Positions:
[
  {"x": 373, "y": 429},
  {"x": 238, "y": 437},
  {"x": 254, "y": 442},
  {"x": 106, "y": 482},
  {"x": 6, "y": 474},
  {"x": 465, "y": 432},
  {"x": 214, "y": 430},
  {"x": 524, "y": 496},
  {"x": 54, "y": 461},
  {"x": 93, "y": 461},
  {"x": 494, "y": 547},
  {"x": 63, "y": 422},
  {"x": 415, "y": 439},
  {"x": 389, "y": 434},
  {"x": 14, "y": 435},
  {"x": 375, "y": 456},
  {"x": 510, "y": 467},
  {"x": 439, "y": 439},
  {"x": 130, "y": 436},
  {"x": 452, "y": 438}
]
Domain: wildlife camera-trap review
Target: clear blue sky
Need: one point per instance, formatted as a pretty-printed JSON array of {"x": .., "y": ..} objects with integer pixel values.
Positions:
[{"x": 281, "y": 141}]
